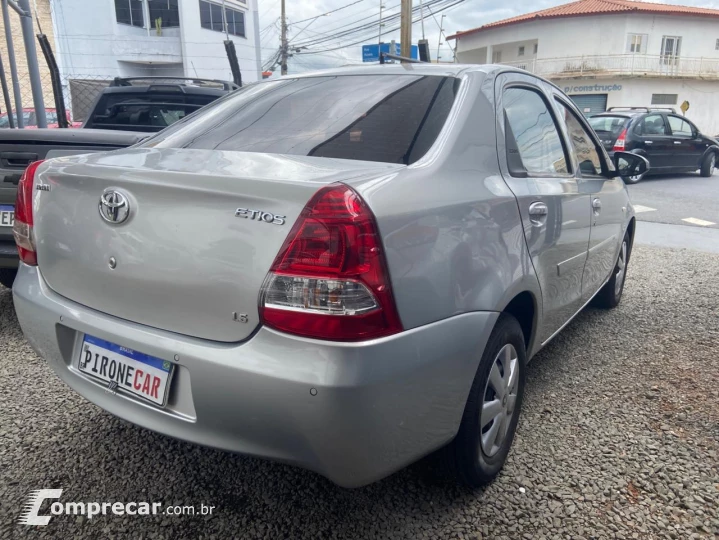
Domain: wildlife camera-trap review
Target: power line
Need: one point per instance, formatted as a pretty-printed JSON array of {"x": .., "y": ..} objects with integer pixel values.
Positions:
[{"x": 333, "y": 11}]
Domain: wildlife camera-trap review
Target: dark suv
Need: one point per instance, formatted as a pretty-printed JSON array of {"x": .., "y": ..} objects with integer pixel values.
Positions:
[
  {"x": 670, "y": 142},
  {"x": 151, "y": 104}
]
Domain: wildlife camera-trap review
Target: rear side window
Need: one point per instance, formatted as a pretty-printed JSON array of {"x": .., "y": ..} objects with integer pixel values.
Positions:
[
  {"x": 608, "y": 124},
  {"x": 680, "y": 127},
  {"x": 392, "y": 119},
  {"x": 653, "y": 124},
  {"x": 532, "y": 127}
]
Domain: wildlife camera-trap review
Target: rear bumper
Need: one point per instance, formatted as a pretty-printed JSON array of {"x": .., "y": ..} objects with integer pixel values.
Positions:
[
  {"x": 353, "y": 412},
  {"x": 8, "y": 254}
]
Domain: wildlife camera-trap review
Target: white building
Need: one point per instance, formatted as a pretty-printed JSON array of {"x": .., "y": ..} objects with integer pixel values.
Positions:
[
  {"x": 607, "y": 53},
  {"x": 109, "y": 38}
]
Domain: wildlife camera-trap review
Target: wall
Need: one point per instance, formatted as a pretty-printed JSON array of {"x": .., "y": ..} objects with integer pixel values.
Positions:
[
  {"x": 701, "y": 95},
  {"x": 89, "y": 43},
  {"x": 204, "y": 50},
  {"x": 45, "y": 19},
  {"x": 598, "y": 35}
]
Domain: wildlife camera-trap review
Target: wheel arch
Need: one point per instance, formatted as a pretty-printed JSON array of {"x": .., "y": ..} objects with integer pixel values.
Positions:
[{"x": 524, "y": 307}]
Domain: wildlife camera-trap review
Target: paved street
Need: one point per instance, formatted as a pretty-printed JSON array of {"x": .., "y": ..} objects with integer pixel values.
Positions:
[
  {"x": 619, "y": 438},
  {"x": 678, "y": 199}
]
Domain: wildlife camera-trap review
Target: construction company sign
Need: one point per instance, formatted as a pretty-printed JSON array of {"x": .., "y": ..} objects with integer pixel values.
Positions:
[{"x": 592, "y": 88}]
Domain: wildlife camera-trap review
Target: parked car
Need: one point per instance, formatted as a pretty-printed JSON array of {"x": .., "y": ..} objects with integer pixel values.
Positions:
[
  {"x": 152, "y": 103},
  {"x": 30, "y": 119},
  {"x": 19, "y": 148},
  {"x": 332, "y": 270},
  {"x": 670, "y": 142}
]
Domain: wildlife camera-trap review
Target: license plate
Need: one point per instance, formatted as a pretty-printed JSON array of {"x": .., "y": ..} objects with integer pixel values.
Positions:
[
  {"x": 7, "y": 215},
  {"x": 125, "y": 370}
]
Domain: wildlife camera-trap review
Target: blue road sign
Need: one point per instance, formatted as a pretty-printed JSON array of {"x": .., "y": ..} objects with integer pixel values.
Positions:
[{"x": 370, "y": 53}]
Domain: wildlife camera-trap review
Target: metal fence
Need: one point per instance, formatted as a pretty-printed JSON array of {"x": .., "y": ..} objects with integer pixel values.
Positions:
[
  {"x": 79, "y": 91},
  {"x": 622, "y": 64}
]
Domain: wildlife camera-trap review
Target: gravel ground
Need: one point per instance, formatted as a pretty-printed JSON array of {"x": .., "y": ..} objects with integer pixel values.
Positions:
[{"x": 619, "y": 438}]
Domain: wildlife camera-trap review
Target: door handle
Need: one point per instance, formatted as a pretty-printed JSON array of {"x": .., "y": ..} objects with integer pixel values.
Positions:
[
  {"x": 597, "y": 206},
  {"x": 538, "y": 212},
  {"x": 648, "y": 142},
  {"x": 677, "y": 142}
]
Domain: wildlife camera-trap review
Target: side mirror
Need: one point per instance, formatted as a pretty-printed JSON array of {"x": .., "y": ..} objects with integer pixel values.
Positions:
[{"x": 628, "y": 164}]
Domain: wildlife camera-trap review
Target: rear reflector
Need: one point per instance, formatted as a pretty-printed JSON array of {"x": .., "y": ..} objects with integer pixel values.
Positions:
[
  {"x": 23, "y": 227},
  {"x": 330, "y": 279}
]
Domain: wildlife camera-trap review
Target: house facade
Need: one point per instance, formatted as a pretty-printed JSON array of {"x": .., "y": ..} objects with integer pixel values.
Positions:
[{"x": 612, "y": 53}]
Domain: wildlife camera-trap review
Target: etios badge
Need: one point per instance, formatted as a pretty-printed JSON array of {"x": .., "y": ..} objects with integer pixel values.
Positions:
[{"x": 114, "y": 207}]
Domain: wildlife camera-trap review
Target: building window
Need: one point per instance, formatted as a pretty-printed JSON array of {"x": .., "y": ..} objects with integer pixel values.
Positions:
[
  {"x": 166, "y": 10},
  {"x": 521, "y": 51},
  {"x": 637, "y": 43},
  {"x": 535, "y": 48},
  {"x": 129, "y": 12},
  {"x": 716, "y": 45},
  {"x": 496, "y": 57},
  {"x": 664, "y": 99},
  {"x": 671, "y": 48},
  {"x": 211, "y": 18}
]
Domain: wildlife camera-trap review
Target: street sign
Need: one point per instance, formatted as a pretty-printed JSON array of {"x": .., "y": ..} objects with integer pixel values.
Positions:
[{"x": 370, "y": 53}]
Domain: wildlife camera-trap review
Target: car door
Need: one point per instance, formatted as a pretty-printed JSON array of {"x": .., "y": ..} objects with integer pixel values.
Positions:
[
  {"x": 609, "y": 199},
  {"x": 688, "y": 145},
  {"x": 555, "y": 214},
  {"x": 652, "y": 134}
]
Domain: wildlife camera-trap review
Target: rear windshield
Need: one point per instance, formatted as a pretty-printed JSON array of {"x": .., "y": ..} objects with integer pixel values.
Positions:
[
  {"x": 608, "y": 124},
  {"x": 392, "y": 119},
  {"x": 149, "y": 111}
]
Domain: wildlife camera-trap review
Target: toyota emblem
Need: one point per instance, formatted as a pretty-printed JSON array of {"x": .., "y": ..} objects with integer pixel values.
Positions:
[{"x": 114, "y": 207}]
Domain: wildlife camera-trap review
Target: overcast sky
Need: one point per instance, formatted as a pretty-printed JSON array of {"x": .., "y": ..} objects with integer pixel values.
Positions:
[{"x": 469, "y": 14}]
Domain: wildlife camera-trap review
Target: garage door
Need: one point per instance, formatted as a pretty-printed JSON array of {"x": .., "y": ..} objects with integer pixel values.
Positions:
[{"x": 591, "y": 103}]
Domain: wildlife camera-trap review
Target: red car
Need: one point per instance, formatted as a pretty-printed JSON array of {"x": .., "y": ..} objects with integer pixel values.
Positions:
[{"x": 30, "y": 119}]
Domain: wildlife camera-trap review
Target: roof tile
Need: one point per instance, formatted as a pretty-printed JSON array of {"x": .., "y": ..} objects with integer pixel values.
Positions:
[{"x": 594, "y": 7}]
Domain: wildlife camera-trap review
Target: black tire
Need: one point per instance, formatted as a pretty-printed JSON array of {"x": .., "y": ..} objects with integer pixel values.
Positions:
[
  {"x": 7, "y": 276},
  {"x": 708, "y": 164},
  {"x": 610, "y": 295},
  {"x": 465, "y": 459}
]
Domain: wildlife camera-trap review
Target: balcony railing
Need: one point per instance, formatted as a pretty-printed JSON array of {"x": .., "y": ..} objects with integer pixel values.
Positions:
[{"x": 622, "y": 64}]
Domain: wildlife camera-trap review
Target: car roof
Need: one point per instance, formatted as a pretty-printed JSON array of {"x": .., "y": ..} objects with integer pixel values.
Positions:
[{"x": 416, "y": 68}]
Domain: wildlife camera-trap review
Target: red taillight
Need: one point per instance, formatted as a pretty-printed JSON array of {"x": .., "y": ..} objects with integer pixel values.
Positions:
[
  {"x": 22, "y": 229},
  {"x": 330, "y": 279},
  {"x": 621, "y": 140}
]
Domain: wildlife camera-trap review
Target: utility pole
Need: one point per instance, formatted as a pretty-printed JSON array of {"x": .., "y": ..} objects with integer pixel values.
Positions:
[
  {"x": 406, "y": 29},
  {"x": 439, "y": 39},
  {"x": 379, "y": 32},
  {"x": 283, "y": 42},
  {"x": 421, "y": 17}
]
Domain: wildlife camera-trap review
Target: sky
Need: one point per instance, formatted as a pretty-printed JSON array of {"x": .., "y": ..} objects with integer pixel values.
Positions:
[{"x": 466, "y": 15}]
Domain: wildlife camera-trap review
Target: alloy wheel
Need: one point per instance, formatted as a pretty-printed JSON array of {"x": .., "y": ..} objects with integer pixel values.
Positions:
[{"x": 500, "y": 397}]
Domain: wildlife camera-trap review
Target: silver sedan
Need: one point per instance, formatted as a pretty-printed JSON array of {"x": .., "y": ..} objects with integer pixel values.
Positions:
[{"x": 345, "y": 271}]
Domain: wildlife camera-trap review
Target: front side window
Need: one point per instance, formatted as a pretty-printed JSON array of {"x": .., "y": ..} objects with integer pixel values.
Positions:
[
  {"x": 166, "y": 11},
  {"x": 535, "y": 132},
  {"x": 653, "y": 124},
  {"x": 129, "y": 12},
  {"x": 362, "y": 117},
  {"x": 581, "y": 143},
  {"x": 680, "y": 127}
]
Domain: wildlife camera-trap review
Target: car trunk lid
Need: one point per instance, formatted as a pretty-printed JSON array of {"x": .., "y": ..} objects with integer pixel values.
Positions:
[{"x": 183, "y": 261}]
